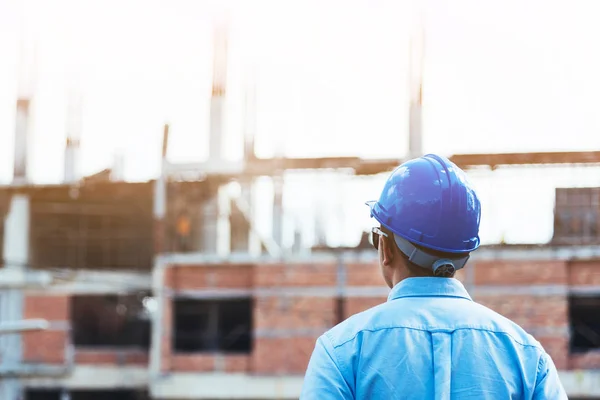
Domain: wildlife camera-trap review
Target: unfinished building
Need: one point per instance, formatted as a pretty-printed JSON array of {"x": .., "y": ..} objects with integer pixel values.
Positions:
[
  {"x": 192, "y": 325},
  {"x": 166, "y": 289}
]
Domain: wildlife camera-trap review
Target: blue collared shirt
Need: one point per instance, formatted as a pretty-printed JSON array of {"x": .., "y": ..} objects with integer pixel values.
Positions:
[{"x": 430, "y": 340}]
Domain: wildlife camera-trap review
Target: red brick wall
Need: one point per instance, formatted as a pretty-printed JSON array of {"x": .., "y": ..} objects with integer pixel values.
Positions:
[
  {"x": 47, "y": 347},
  {"x": 589, "y": 360},
  {"x": 583, "y": 273},
  {"x": 111, "y": 357},
  {"x": 50, "y": 346},
  {"x": 545, "y": 314},
  {"x": 272, "y": 313},
  {"x": 210, "y": 363},
  {"x": 364, "y": 274},
  {"x": 558, "y": 348},
  {"x": 309, "y": 275},
  {"x": 192, "y": 362},
  {"x": 284, "y": 355},
  {"x": 51, "y": 308},
  {"x": 528, "y": 311},
  {"x": 287, "y": 327},
  {"x": 355, "y": 305},
  {"x": 218, "y": 276},
  {"x": 519, "y": 272}
]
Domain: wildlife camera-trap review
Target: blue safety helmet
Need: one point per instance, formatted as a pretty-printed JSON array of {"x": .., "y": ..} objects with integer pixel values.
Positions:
[{"x": 429, "y": 201}]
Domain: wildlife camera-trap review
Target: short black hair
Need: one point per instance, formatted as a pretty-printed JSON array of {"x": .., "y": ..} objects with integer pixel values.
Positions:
[{"x": 415, "y": 269}]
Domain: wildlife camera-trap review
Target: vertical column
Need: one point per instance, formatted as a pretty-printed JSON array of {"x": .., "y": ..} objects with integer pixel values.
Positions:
[
  {"x": 297, "y": 244},
  {"x": 160, "y": 198},
  {"x": 21, "y": 140},
  {"x": 249, "y": 237},
  {"x": 210, "y": 210},
  {"x": 249, "y": 121},
  {"x": 65, "y": 395},
  {"x": 223, "y": 221},
  {"x": 416, "y": 65},
  {"x": 217, "y": 102},
  {"x": 74, "y": 110},
  {"x": 239, "y": 227},
  {"x": 118, "y": 168},
  {"x": 16, "y": 224},
  {"x": 16, "y": 254},
  {"x": 212, "y": 213},
  {"x": 278, "y": 210}
]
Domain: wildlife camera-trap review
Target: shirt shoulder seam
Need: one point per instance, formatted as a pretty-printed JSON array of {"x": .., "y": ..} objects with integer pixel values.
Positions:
[{"x": 433, "y": 330}]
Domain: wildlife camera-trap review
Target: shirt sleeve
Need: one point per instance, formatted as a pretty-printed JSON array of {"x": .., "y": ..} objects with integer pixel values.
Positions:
[
  {"x": 548, "y": 385},
  {"x": 324, "y": 379}
]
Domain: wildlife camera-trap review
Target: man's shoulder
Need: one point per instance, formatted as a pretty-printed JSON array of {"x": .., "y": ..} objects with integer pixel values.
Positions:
[{"x": 470, "y": 316}]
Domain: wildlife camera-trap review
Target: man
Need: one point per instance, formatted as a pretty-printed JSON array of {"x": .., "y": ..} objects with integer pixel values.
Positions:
[{"x": 430, "y": 340}]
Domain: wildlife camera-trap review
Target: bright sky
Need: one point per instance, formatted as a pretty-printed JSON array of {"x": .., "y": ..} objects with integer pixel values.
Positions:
[{"x": 332, "y": 80}]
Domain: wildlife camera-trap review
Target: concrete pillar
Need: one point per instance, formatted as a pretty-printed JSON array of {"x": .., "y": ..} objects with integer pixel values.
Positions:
[
  {"x": 65, "y": 395},
  {"x": 213, "y": 239},
  {"x": 250, "y": 121},
  {"x": 20, "y": 173},
  {"x": 297, "y": 245},
  {"x": 223, "y": 221},
  {"x": 210, "y": 209},
  {"x": 160, "y": 198},
  {"x": 278, "y": 210},
  {"x": 74, "y": 111},
  {"x": 216, "y": 131},
  {"x": 16, "y": 254},
  {"x": 118, "y": 168},
  {"x": 254, "y": 243},
  {"x": 251, "y": 240},
  {"x": 16, "y": 223},
  {"x": 239, "y": 227},
  {"x": 217, "y": 103},
  {"x": 416, "y": 65}
]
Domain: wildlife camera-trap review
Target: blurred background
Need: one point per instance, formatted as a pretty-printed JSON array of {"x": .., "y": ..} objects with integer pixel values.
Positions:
[{"x": 182, "y": 183}]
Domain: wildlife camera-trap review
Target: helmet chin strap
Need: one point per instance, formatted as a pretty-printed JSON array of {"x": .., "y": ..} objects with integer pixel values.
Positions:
[{"x": 439, "y": 266}]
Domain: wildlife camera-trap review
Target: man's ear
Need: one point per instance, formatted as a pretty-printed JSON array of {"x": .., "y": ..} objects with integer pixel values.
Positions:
[{"x": 386, "y": 249}]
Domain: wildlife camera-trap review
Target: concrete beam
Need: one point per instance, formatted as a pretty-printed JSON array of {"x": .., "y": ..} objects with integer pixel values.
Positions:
[
  {"x": 516, "y": 252},
  {"x": 28, "y": 371},
  {"x": 583, "y": 383},
  {"x": 225, "y": 386},
  {"x": 20, "y": 278},
  {"x": 95, "y": 282},
  {"x": 94, "y": 377}
]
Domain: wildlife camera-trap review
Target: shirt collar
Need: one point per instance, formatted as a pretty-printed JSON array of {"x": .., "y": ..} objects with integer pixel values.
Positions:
[{"x": 429, "y": 287}]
